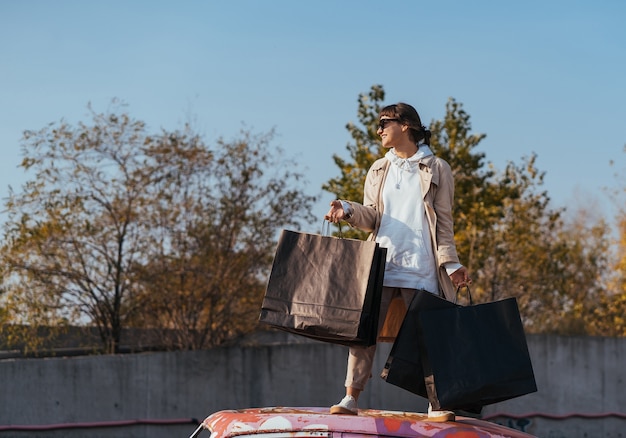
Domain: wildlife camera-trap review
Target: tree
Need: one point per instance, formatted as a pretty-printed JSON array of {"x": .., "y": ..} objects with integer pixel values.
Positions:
[
  {"x": 507, "y": 235},
  {"x": 607, "y": 317},
  {"x": 109, "y": 203},
  {"x": 609, "y": 312},
  {"x": 215, "y": 241},
  {"x": 510, "y": 237},
  {"x": 366, "y": 148}
]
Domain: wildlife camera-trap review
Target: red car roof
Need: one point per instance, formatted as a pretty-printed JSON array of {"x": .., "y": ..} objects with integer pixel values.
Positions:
[{"x": 371, "y": 422}]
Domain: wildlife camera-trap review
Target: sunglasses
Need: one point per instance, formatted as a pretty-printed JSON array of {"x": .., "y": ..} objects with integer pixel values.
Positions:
[{"x": 383, "y": 122}]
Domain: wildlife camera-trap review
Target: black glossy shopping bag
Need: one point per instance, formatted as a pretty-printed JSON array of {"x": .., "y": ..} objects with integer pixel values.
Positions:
[
  {"x": 404, "y": 363},
  {"x": 326, "y": 288},
  {"x": 474, "y": 355}
]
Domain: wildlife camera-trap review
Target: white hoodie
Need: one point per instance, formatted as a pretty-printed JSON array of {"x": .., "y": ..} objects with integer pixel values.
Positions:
[{"x": 404, "y": 227}]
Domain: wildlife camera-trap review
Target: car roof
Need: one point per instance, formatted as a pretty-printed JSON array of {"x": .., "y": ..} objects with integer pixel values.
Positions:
[{"x": 272, "y": 420}]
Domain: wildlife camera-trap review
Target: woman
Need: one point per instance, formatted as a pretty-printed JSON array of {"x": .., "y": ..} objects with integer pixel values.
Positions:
[{"x": 407, "y": 208}]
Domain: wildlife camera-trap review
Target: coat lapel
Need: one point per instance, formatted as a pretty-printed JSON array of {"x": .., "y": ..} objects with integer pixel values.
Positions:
[{"x": 426, "y": 177}]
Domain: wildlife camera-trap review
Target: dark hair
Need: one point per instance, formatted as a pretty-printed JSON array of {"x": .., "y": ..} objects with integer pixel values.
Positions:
[{"x": 407, "y": 115}]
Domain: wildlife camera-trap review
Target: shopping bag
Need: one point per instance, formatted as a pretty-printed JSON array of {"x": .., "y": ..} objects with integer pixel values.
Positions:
[
  {"x": 326, "y": 288},
  {"x": 474, "y": 355},
  {"x": 393, "y": 321},
  {"x": 403, "y": 367}
]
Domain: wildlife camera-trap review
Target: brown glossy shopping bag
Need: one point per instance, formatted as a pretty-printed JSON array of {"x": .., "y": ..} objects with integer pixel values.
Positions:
[{"x": 326, "y": 288}]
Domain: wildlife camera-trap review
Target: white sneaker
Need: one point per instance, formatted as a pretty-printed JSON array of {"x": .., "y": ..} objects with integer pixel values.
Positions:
[
  {"x": 439, "y": 416},
  {"x": 346, "y": 406}
]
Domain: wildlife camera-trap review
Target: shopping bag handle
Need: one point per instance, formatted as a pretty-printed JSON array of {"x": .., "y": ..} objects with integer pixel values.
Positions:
[
  {"x": 326, "y": 229},
  {"x": 469, "y": 294}
]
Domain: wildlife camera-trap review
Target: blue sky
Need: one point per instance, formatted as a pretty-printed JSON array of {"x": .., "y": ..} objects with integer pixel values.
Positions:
[{"x": 544, "y": 77}]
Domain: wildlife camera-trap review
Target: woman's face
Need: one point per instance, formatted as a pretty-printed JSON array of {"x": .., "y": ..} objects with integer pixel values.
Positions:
[{"x": 390, "y": 131}]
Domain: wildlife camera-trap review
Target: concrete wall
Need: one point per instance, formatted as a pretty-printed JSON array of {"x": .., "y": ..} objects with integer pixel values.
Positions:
[{"x": 574, "y": 375}]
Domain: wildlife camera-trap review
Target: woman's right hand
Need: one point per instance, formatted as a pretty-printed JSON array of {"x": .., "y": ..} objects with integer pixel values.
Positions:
[{"x": 336, "y": 213}]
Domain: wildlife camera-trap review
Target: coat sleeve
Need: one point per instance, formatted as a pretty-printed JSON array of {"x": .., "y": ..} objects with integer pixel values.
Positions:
[
  {"x": 366, "y": 216},
  {"x": 443, "y": 203}
]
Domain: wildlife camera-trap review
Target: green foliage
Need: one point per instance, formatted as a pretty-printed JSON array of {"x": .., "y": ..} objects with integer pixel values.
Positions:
[
  {"x": 112, "y": 208},
  {"x": 507, "y": 235},
  {"x": 363, "y": 152}
]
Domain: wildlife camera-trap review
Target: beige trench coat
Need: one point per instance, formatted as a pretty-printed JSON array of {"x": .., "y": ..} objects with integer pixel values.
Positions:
[{"x": 437, "y": 184}]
